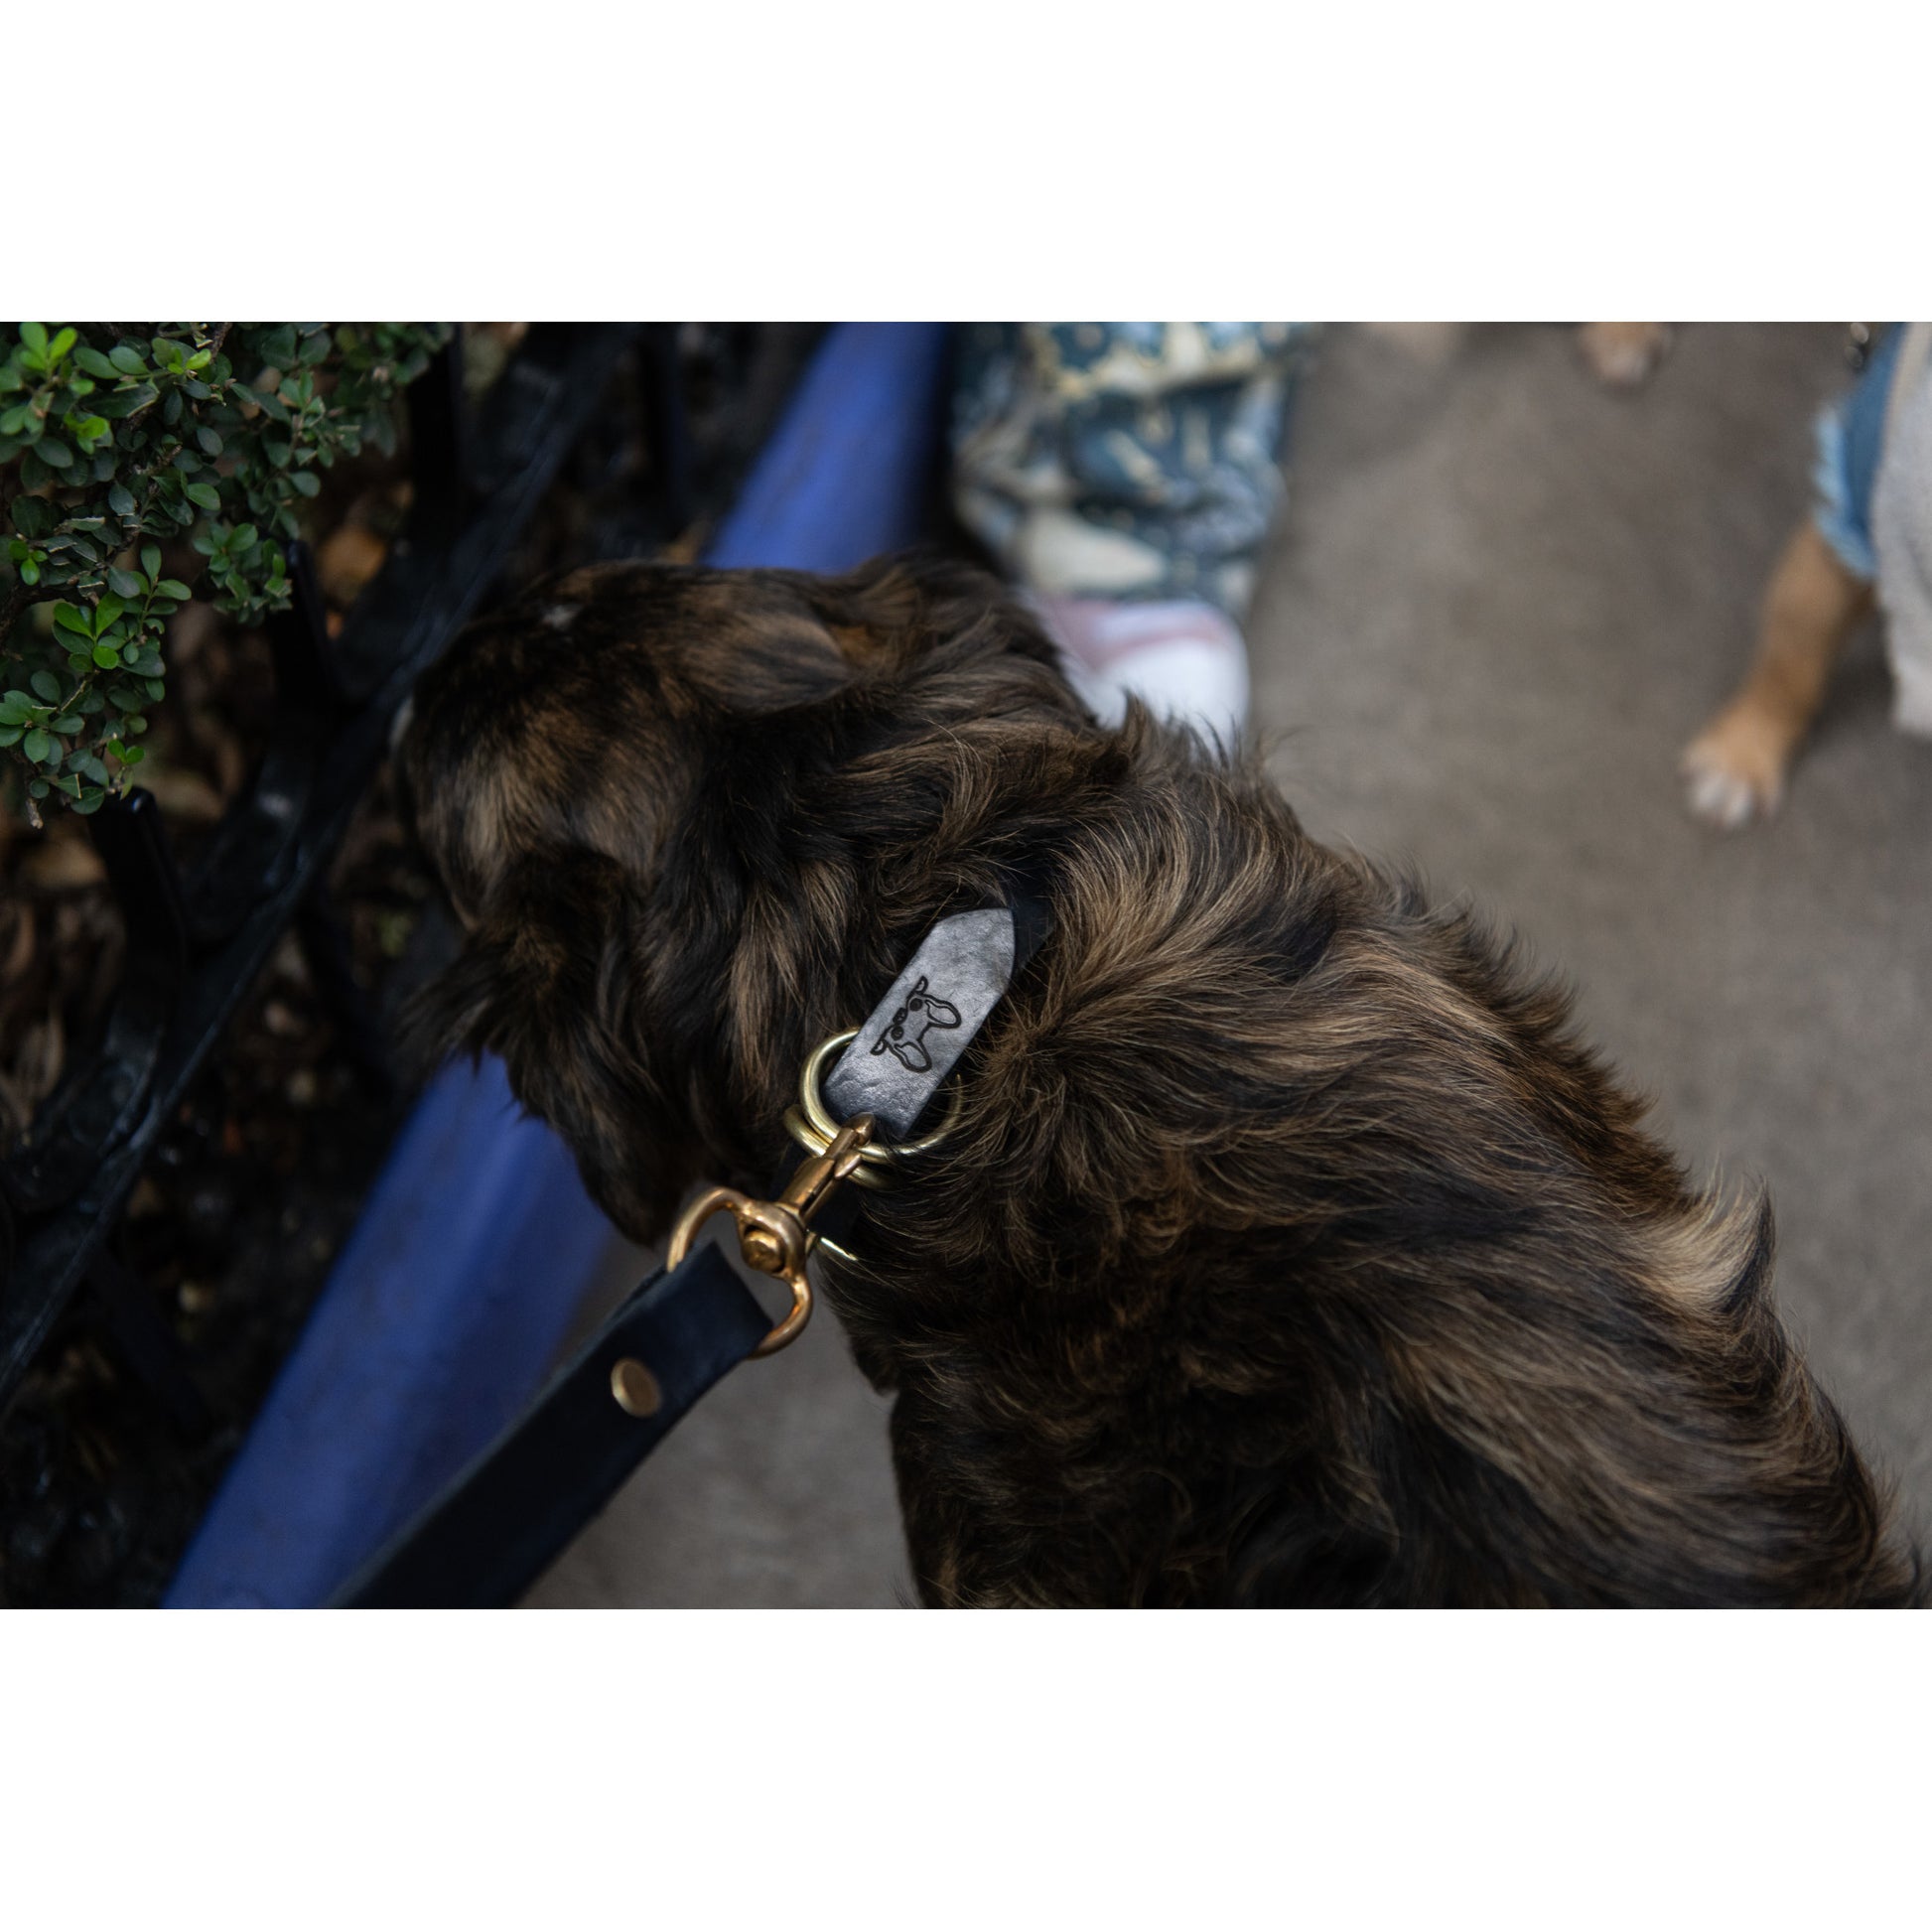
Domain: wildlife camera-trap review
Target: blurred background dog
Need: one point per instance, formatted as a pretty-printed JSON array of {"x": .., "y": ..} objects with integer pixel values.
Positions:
[{"x": 1870, "y": 531}]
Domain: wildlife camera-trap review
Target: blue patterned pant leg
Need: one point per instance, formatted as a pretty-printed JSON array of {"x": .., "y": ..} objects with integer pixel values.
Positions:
[{"x": 1128, "y": 460}]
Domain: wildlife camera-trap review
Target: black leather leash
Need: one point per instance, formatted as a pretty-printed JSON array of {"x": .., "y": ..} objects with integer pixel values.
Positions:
[
  {"x": 503, "y": 1521},
  {"x": 508, "y": 1517}
]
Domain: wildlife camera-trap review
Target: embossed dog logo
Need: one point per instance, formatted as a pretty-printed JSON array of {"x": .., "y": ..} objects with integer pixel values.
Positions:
[{"x": 906, "y": 1037}]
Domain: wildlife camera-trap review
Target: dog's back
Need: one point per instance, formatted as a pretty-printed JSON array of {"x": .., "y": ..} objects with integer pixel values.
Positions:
[
  {"x": 1289, "y": 1250},
  {"x": 1294, "y": 1252}
]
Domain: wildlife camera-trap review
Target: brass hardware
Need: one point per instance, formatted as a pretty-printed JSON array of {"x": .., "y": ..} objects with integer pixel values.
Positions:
[
  {"x": 636, "y": 1387},
  {"x": 772, "y": 1236},
  {"x": 811, "y": 1125}
]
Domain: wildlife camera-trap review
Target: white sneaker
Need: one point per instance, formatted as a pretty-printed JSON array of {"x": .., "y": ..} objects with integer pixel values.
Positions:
[{"x": 1184, "y": 660}]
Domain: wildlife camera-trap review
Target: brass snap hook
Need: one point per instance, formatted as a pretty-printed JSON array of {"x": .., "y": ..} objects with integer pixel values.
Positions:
[{"x": 773, "y": 1236}]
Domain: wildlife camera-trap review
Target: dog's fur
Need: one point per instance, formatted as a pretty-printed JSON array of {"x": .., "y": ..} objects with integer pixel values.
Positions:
[{"x": 1289, "y": 1249}]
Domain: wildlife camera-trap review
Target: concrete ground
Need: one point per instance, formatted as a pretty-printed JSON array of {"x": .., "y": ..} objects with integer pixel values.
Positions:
[{"x": 1500, "y": 601}]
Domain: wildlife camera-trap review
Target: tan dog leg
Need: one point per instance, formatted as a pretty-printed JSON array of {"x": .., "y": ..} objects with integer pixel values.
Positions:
[
  {"x": 1735, "y": 767},
  {"x": 1623, "y": 353}
]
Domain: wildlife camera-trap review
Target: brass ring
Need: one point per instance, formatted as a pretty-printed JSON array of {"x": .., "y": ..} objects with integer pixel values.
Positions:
[
  {"x": 814, "y": 1141},
  {"x": 877, "y": 1152}
]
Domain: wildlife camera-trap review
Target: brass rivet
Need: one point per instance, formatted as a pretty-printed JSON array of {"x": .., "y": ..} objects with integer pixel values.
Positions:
[{"x": 636, "y": 1388}]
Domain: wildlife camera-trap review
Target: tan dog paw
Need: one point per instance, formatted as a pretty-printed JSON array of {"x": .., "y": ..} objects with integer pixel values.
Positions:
[
  {"x": 1623, "y": 353},
  {"x": 1734, "y": 771}
]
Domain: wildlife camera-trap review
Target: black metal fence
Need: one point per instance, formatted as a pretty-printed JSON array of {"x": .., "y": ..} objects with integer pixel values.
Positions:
[{"x": 198, "y": 941}]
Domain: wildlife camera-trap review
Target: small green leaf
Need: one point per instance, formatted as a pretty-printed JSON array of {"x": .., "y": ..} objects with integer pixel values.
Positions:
[
  {"x": 94, "y": 362},
  {"x": 127, "y": 359},
  {"x": 107, "y": 656},
  {"x": 204, "y": 494},
  {"x": 67, "y": 724},
  {"x": 210, "y": 441},
  {"x": 133, "y": 754},
  {"x": 61, "y": 343},
  {"x": 88, "y": 802},
  {"x": 125, "y": 583},
  {"x": 69, "y": 619},
  {"x": 108, "y": 611},
  {"x": 124, "y": 402},
  {"x": 33, "y": 335},
  {"x": 155, "y": 689},
  {"x": 53, "y": 451},
  {"x": 37, "y": 788},
  {"x": 305, "y": 482},
  {"x": 38, "y": 744},
  {"x": 46, "y": 685},
  {"x": 10, "y": 734},
  {"x": 150, "y": 559},
  {"x": 173, "y": 587},
  {"x": 120, "y": 499}
]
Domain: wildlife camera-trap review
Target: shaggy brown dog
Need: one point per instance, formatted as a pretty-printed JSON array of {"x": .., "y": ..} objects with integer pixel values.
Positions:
[{"x": 1288, "y": 1251}]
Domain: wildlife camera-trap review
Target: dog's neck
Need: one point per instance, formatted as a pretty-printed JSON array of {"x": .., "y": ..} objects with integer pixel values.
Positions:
[{"x": 814, "y": 919}]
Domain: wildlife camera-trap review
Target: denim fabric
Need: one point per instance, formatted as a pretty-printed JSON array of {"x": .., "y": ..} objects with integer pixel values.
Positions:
[{"x": 1851, "y": 440}]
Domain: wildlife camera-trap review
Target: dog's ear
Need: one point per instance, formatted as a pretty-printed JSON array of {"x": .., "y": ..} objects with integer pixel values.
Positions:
[{"x": 546, "y": 980}]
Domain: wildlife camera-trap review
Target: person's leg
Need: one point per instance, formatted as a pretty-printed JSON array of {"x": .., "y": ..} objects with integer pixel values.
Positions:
[{"x": 1125, "y": 475}]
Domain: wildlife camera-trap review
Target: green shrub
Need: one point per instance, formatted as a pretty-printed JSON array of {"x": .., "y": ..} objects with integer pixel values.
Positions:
[{"x": 115, "y": 439}]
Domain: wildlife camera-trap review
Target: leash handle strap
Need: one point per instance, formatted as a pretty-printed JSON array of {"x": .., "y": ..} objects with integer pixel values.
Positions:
[{"x": 502, "y": 1523}]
